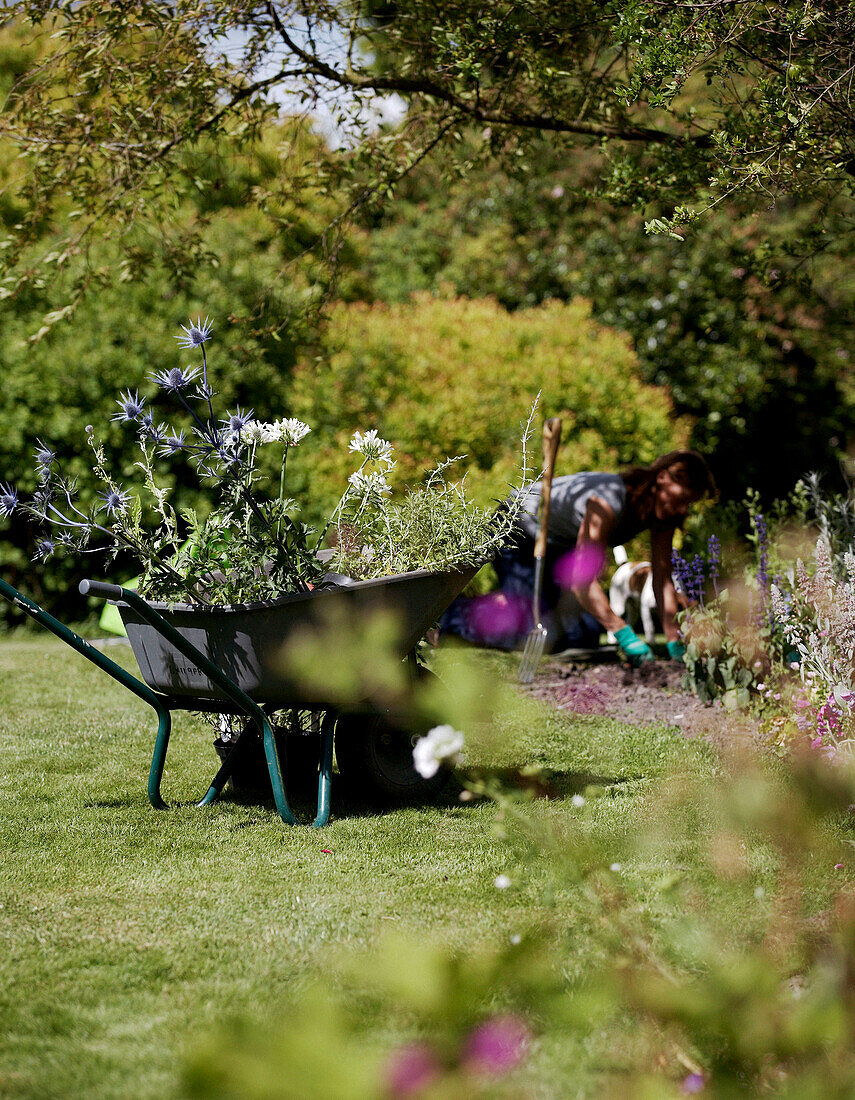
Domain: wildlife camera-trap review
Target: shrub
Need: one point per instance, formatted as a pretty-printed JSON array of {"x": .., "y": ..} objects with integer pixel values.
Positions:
[{"x": 446, "y": 377}]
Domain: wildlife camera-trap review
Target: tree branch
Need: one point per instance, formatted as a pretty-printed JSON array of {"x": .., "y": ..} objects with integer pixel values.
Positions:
[{"x": 364, "y": 82}]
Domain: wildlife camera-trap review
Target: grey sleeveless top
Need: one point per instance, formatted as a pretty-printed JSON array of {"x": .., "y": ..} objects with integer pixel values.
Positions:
[{"x": 570, "y": 496}]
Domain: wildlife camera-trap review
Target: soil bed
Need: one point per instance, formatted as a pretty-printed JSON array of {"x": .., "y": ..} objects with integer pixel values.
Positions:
[{"x": 596, "y": 682}]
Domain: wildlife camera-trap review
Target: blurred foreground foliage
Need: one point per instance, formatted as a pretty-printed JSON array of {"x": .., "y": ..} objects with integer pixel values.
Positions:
[
  {"x": 623, "y": 932},
  {"x": 768, "y": 1007}
]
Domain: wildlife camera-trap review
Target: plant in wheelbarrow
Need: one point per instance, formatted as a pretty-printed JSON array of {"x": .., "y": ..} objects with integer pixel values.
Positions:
[{"x": 233, "y": 584}]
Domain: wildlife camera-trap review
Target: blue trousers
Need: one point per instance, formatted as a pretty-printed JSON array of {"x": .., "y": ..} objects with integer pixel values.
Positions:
[{"x": 503, "y": 619}]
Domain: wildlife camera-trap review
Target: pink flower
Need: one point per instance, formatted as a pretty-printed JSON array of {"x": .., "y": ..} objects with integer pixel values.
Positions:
[
  {"x": 497, "y": 1046},
  {"x": 580, "y": 566},
  {"x": 838, "y": 866},
  {"x": 411, "y": 1069},
  {"x": 817, "y": 742},
  {"x": 692, "y": 1084}
]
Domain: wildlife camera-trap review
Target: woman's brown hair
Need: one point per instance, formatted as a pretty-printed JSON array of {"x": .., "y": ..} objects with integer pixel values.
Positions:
[{"x": 640, "y": 482}]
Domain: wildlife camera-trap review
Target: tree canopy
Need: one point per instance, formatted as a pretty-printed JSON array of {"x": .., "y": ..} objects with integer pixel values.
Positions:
[{"x": 684, "y": 103}]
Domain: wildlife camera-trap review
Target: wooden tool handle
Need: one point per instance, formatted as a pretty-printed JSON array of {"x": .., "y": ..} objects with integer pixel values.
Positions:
[{"x": 551, "y": 439}]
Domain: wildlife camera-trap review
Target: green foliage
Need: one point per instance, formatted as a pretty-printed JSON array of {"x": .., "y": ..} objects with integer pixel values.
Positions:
[
  {"x": 723, "y": 660},
  {"x": 447, "y": 377},
  {"x": 749, "y": 348}
]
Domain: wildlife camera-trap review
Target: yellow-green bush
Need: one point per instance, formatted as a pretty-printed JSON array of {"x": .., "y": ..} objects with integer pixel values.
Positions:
[{"x": 442, "y": 377}]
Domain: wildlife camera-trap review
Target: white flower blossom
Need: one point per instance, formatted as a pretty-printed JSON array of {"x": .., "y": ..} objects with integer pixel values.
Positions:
[
  {"x": 367, "y": 484},
  {"x": 502, "y": 882},
  {"x": 577, "y": 800},
  {"x": 253, "y": 432},
  {"x": 441, "y": 745},
  {"x": 291, "y": 431},
  {"x": 372, "y": 448}
]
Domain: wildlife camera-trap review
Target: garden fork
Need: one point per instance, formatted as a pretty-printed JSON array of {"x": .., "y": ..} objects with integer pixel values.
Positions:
[{"x": 536, "y": 640}]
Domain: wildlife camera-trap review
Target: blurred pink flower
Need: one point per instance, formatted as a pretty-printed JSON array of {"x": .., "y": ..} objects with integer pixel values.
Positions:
[
  {"x": 692, "y": 1084},
  {"x": 498, "y": 616},
  {"x": 497, "y": 1046},
  {"x": 411, "y": 1069},
  {"x": 580, "y": 566}
]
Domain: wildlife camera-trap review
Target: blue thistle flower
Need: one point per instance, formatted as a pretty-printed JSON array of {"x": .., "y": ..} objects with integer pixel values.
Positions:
[
  {"x": 115, "y": 500},
  {"x": 42, "y": 498},
  {"x": 235, "y": 422},
  {"x": 175, "y": 380},
  {"x": 44, "y": 455},
  {"x": 44, "y": 548},
  {"x": 172, "y": 444},
  {"x": 8, "y": 499},
  {"x": 131, "y": 406},
  {"x": 195, "y": 334},
  {"x": 149, "y": 430}
]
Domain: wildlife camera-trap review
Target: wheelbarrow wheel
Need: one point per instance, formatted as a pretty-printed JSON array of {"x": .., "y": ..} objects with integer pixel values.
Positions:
[{"x": 375, "y": 760}]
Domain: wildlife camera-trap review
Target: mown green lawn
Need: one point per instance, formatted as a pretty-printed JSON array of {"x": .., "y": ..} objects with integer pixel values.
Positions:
[{"x": 129, "y": 935}]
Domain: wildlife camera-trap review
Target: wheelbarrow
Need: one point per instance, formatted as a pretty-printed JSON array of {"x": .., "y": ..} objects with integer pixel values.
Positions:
[{"x": 229, "y": 660}]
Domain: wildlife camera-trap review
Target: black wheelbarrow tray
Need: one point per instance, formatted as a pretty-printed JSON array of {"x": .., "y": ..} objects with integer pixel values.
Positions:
[{"x": 229, "y": 660}]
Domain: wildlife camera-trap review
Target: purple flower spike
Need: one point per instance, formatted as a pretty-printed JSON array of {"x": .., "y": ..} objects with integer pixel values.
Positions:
[
  {"x": 714, "y": 558},
  {"x": 698, "y": 579},
  {"x": 762, "y": 551},
  {"x": 580, "y": 566},
  {"x": 411, "y": 1069},
  {"x": 498, "y": 1046}
]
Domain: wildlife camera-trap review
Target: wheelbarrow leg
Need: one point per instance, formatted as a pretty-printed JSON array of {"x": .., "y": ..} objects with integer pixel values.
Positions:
[
  {"x": 158, "y": 759},
  {"x": 325, "y": 769},
  {"x": 224, "y": 774},
  {"x": 274, "y": 769}
]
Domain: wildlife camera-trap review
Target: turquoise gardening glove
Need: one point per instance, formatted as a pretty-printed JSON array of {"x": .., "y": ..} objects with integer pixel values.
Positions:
[
  {"x": 676, "y": 649},
  {"x": 636, "y": 649}
]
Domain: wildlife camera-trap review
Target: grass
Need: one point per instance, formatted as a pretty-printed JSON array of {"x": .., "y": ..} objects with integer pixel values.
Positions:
[{"x": 129, "y": 935}]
